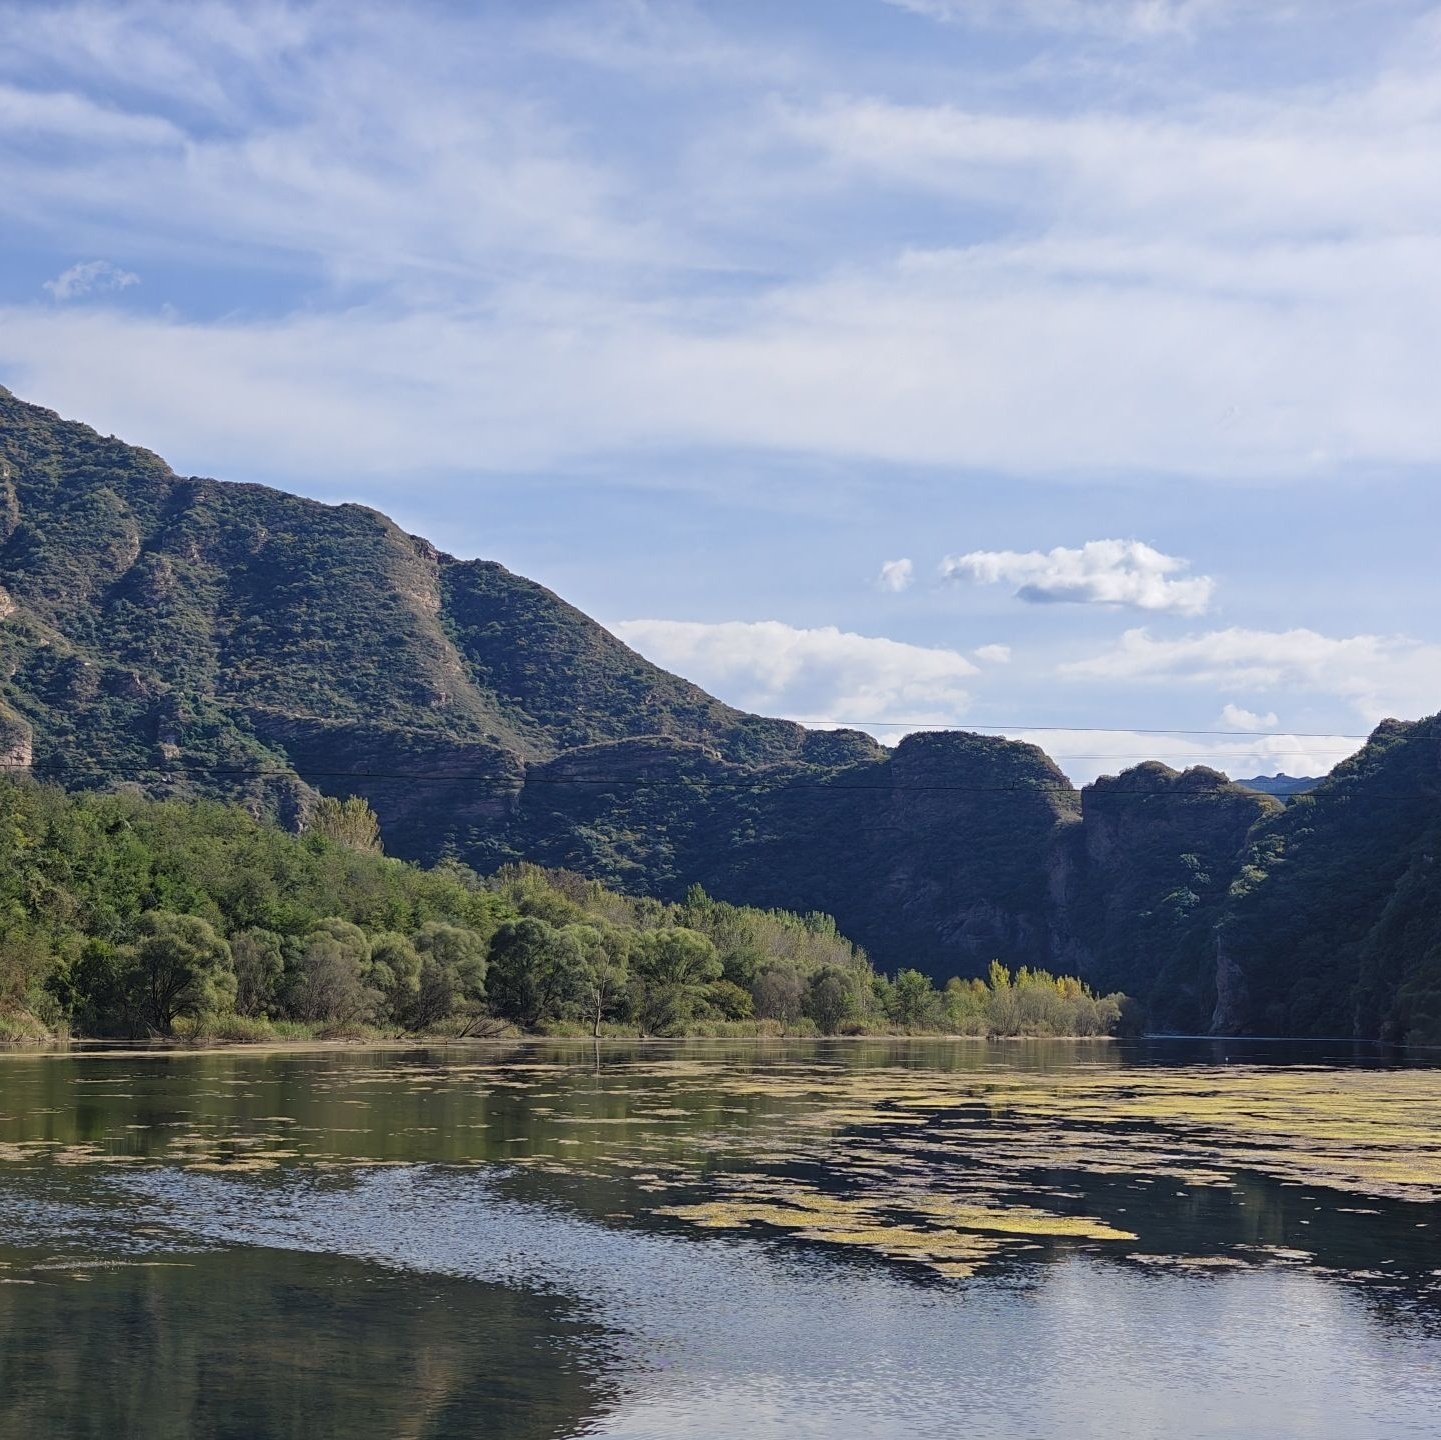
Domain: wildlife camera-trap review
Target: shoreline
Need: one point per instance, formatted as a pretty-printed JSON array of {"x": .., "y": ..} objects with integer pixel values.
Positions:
[{"x": 109, "y": 1049}]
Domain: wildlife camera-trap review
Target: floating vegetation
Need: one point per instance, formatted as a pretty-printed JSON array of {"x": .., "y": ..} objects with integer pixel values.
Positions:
[
  {"x": 944, "y": 1234},
  {"x": 923, "y": 1161}
]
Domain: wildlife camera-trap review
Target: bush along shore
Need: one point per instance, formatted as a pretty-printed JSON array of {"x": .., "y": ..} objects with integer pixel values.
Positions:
[{"x": 129, "y": 918}]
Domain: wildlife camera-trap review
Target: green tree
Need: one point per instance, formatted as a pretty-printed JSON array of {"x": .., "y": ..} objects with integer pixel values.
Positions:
[
  {"x": 605, "y": 974},
  {"x": 536, "y": 970},
  {"x": 350, "y": 823},
  {"x": 178, "y": 966},
  {"x": 732, "y": 1001},
  {"x": 670, "y": 971},
  {"x": 914, "y": 1004},
  {"x": 259, "y": 963},
  {"x": 452, "y": 973},
  {"x": 966, "y": 1006},
  {"x": 394, "y": 970},
  {"x": 331, "y": 980},
  {"x": 832, "y": 999}
]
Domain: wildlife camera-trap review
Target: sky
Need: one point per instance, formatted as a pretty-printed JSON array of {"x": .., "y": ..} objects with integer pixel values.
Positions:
[{"x": 1065, "y": 368}]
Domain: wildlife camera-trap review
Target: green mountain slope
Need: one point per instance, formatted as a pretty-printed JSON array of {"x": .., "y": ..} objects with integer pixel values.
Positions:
[
  {"x": 157, "y": 624},
  {"x": 183, "y": 637},
  {"x": 1333, "y": 925}
]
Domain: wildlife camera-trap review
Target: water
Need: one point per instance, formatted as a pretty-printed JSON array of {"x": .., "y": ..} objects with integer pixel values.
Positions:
[{"x": 850, "y": 1239}]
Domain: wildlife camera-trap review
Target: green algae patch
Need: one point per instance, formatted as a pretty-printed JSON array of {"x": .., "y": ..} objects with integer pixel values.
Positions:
[{"x": 933, "y": 1230}]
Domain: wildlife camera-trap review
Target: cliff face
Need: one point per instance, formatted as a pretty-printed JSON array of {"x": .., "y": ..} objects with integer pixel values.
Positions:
[
  {"x": 1333, "y": 922},
  {"x": 1139, "y": 885},
  {"x": 192, "y": 637}
]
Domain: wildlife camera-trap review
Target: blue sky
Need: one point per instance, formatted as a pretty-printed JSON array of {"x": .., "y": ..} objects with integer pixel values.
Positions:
[{"x": 1016, "y": 363}]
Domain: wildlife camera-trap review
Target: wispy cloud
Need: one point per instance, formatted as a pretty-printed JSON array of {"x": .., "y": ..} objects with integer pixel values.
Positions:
[
  {"x": 896, "y": 575},
  {"x": 819, "y": 676},
  {"x": 1237, "y": 717},
  {"x": 383, "y": 150},
  {"x": 88, "y": 278},
  {"x": 1100, "y": 572},
  {"x": 1120, "y": 19},
  {"x": 1161, "y": 290}
]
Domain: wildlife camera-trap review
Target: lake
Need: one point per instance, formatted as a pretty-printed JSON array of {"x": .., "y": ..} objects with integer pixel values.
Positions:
[{"x": 848, "y": 1238}]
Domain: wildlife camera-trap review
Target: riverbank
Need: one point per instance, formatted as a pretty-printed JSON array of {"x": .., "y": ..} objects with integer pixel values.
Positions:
[{"x": 292, "y": 1036}]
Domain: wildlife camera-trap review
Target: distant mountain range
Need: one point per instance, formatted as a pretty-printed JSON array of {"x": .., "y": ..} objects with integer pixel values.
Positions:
[{"x": 187, "y": 636}]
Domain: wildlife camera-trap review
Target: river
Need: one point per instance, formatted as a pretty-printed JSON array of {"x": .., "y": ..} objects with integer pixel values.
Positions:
[{"x": 848, "y": 1239}]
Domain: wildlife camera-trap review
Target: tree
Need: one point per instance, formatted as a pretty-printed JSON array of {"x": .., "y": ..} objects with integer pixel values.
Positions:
[
  {"x": 670, "y": 971},
  {"x": 1003, "y": 1012},
  {"x": 394, "y": 970},
  {"x": 732, "y": 1001},
  {"x": 25, "y": 957},
  {"x": 331, "y": 983},
  {"x": 604, "y": 975},
  {"x": 832, "y": 999},
  {"x": 178, "y": 966},
  {"x": 259, "y": 963},
  {"x": 536, "y": 970},
  {"x": 351, "y": 823},
  {"x": 452, "y": 973},
  {"x": 780, "y": 994},
  {"x": 913, "y": 1001},
  {"x": 967, "y": 1005}
]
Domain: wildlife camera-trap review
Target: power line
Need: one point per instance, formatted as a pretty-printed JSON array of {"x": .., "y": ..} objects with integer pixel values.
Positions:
[{"x": 1096, "y": 730}]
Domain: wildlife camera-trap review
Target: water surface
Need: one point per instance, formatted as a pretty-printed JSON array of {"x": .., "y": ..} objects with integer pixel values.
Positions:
[{"x": 856, "y": 1239}]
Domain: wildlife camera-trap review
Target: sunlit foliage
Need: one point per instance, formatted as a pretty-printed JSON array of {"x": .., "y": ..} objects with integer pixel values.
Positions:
[{"x": 126, "y": 916}]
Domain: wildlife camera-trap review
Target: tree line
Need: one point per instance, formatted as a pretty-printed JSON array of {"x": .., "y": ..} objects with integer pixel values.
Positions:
[{"x": 122, "y": 916}]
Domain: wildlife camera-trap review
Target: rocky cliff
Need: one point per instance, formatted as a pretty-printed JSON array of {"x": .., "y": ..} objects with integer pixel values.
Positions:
[{"x": 186, "y": 636}]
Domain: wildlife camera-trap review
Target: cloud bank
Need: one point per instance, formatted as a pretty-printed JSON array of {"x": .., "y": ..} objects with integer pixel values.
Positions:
[
  {"x": 820, "y": 676},
  {"x": 1237, "y": 717},
  {"x": 1380, "y": 676},
  {"x": 1230, "y": 285}
]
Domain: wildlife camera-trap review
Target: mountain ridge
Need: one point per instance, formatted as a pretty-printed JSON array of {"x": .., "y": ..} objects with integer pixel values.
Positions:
[{"x": 180, "y": 635}]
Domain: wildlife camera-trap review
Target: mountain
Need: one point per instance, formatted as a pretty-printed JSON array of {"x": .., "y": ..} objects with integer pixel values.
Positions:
[
  {"x": 179, "y": 635},
  {"x": 1333, "y": 924},
  {"x": 1281, "y": 785},
  {"x": 183, "y": 633}
]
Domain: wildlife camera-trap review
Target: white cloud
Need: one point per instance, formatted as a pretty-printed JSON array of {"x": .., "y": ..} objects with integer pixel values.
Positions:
[
  {"x": 818, "y": 676},
  {"x": 1234, "y": 717},
  {"x": 896, "y": 575},
  {"x": 356, "y": 139},
  {"x": 1378, "y": 675},
  {"x": 1101, "y": 572},
  {"x": 1320, "y": 172},
  {"x": 1236, "y": 287},
  {"x": 994, "y": 654},
  {"x": 88, "y": 278}
]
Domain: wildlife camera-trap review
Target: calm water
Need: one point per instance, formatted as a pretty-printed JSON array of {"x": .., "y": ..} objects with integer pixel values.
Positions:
[{"x": 814, "y": 1239}]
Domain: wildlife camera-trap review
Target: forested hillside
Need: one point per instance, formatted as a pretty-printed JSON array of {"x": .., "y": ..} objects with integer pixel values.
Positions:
[
  {"x": 125, "y": 916},
  {"x": 182, "y": 637},
  {"x": 1333, "y": 924}
]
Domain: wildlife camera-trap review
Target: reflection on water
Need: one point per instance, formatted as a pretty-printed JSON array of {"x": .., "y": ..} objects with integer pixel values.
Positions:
[
  {"x": 876, "y": 1239},
  {"x": 253, "y": 1343}
]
